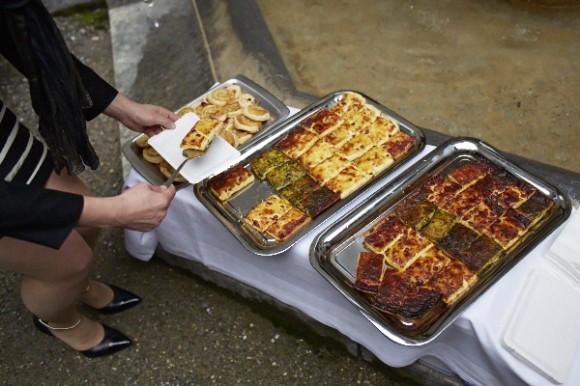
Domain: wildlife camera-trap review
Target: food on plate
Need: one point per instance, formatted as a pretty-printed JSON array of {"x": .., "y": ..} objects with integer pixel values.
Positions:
[
  {"x": 152, "y": 156},
  {"x": 240, "y": 112},
  {"x": 319, "y": 152},
  {"x": 233, "y": 180},
  {"x": 323, "y": 122},
  {"x": 264, "y": 214},
  {"x": 288, "y": 224},
  {"x": 142, "y": 141},
  {"x": 299, "y": 189},
  {"x": 399, "y": 144},
  {"x": 356, "y": 146},
  {"x": 339, "y": 136},
  {"x": 381, "y": 130},
  {"x": 200, "y": 136},
  {"x": 437, "y": 241}
]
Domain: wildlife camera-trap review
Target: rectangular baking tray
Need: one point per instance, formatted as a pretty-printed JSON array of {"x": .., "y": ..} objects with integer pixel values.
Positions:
[
  {"x": 231, "y": 212},
  {"x": 334, "y": 252},
  {"x": 278, "y": 112}
]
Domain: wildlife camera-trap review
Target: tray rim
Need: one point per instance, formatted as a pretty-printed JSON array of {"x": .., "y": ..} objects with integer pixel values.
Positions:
[
  {"x": 281, "y": 129},
  {"x": 129, "y": 149},
  {"x": 353, "y": 218}
]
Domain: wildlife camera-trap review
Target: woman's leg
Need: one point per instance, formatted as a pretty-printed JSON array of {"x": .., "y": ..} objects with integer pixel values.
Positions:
[
  {"x": 53, "y": 283},
  {"x": 98, "y": 294}
]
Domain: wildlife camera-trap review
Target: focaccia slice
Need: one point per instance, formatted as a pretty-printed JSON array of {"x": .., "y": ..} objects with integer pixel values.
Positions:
[
  {"x": 297, "y": 142},
  {"x": 399, "y": 144},
  {"x": 347, "y": 181},
  {"x": 329, "y": 168},
  {"x": 452, "y": 281},
  {"x": 288, "y": 224},
  {"x": 267, "y": 212},
  {"x": 233, "y": 180},
  {"x": 267, "y": 161},
  {"x": 374, "y": 161},
  {"x": 355, "y": 147}
]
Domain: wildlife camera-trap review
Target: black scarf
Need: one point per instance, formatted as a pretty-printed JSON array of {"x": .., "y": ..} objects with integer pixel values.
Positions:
[{"x": 56, "y": 89}]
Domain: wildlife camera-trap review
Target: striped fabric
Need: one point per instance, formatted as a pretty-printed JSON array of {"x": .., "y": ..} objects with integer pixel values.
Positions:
[{"x": 22, "y": 156}]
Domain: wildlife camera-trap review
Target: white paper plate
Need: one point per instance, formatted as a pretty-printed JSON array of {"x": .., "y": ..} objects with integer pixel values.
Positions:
[
  {"x": 219, "y": 156},
  {"x": 544, "y": 327}
]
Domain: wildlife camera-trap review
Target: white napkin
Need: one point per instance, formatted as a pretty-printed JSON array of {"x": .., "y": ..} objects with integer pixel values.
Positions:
[
  {"x": 565, "y": 251},
  {"x": 543, "y": 328},
  {"x": 218, "y": 157}
]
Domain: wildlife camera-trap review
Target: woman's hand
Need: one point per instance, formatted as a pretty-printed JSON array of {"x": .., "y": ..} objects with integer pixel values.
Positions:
[
  {"x": 140, "y": 208},
  {"x": 142, "y": 118}
]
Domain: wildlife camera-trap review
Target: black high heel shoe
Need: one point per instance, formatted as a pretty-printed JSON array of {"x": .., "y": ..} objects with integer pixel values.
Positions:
[
  {"x": 112, "y": 342},
  {"x": 122, "y": 300}
]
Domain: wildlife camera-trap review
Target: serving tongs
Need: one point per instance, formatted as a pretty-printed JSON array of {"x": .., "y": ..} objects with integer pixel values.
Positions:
[{"x": 189, "y": 154}]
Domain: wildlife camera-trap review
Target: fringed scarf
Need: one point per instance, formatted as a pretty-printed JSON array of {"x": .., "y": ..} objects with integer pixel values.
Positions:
[{"x": 56, "y": 89}]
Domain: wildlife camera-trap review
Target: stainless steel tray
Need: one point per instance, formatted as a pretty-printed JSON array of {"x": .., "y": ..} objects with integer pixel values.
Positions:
[
  {"x": 334, "y": 252},
  {"x": 278, "y": 112},
  {"x": 231, "y": 212}
]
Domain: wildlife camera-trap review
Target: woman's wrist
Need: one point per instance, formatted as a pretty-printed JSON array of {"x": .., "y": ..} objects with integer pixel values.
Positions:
[{"x": 102, "y": 212}]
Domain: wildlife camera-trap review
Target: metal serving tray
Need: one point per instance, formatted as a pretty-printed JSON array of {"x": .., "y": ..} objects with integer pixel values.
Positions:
[
  {"x": 334, "y": 252},
  {"x": 278, "y": 112},
  {"x": 231, "y": 212}
]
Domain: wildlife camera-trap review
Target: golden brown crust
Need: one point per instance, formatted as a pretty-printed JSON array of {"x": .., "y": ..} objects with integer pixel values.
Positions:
[{"x": 233, "y": 180}]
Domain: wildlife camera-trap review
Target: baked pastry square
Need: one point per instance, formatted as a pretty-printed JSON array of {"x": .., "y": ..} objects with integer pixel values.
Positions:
[
  {"x": 299, "y": 189},
  {"x": 319, "y": 152},
  {"x": 297, "y": 142},
  {"x": 508, "y": 228},
  {"x": 383, "y": 234},
  {"x": 438, "y": 226},
  {"x": 347, "y": 181},
  {"x": 339, "y": 136},
  {"x": 415, "y": 211},
  {"x": 381, "y": 130},
  {"x": 233, "y": 180},
  {"x": 329, "y": 168},
  {"x": 317, "y": 201},
  {"x": 288, "y": 224},
  {"x": 356, "y": 146},
  {"x": 374, "y": 161},
  {"x": 399, "y": 144},
  {"x": 267, "y": 212},
  {"x": 369, "y": 272},
  {"x": 267, "y": 161},
  {"x": 322, "y": 122},
  {"x": 452, "y": 281},
  {"x": 285, "y": 174},
  {"x": 407, "y": 249}
]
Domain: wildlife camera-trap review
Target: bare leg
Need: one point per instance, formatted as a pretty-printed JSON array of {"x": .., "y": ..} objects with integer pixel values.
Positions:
[{"x": 98, "y": 294}]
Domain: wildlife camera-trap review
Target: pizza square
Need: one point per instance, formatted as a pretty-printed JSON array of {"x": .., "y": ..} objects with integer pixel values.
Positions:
[
  {"x": 231, "y": 181},
  {"x": 288, "y": 224},
  {"x": 316, "y": 202},
  {"x": 369, "y": 271},
  {"x": 347, "y": 181},
  {"x": 452, "y": 281},
  {"x": 299, "y": 189},
  {"x": 267, "y": 212},
  {"x": 383, "y": 234},
  {"x": 406, "y": 249},
  {"x": 399, "y": 144},
  {"x": 359, "y": 118},
  {"x": 319, "y": 152},
  {"x": 322, "y": 122},
  {"x": 338, "y": 136},
  {"x": 329, "y": 168},
  {"x": 380, "y": 130},
  {"x": 356, "y": 146},
  {"x": 297, "y": 142},
  {"x": 285, "y": 174},
  {"x": 374, "y": 161},
  {"x": 508, "y": 228},
  {"x": 471, "y": 172},
  {"x": 267, "y": 161}
]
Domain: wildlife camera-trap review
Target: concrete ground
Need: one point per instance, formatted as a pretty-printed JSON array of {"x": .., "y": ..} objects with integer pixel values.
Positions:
[{"x": 501, "y": 72}]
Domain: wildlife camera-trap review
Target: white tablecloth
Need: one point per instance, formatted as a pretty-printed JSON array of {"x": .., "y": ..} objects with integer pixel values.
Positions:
[{"x": 470, "y": 347}]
